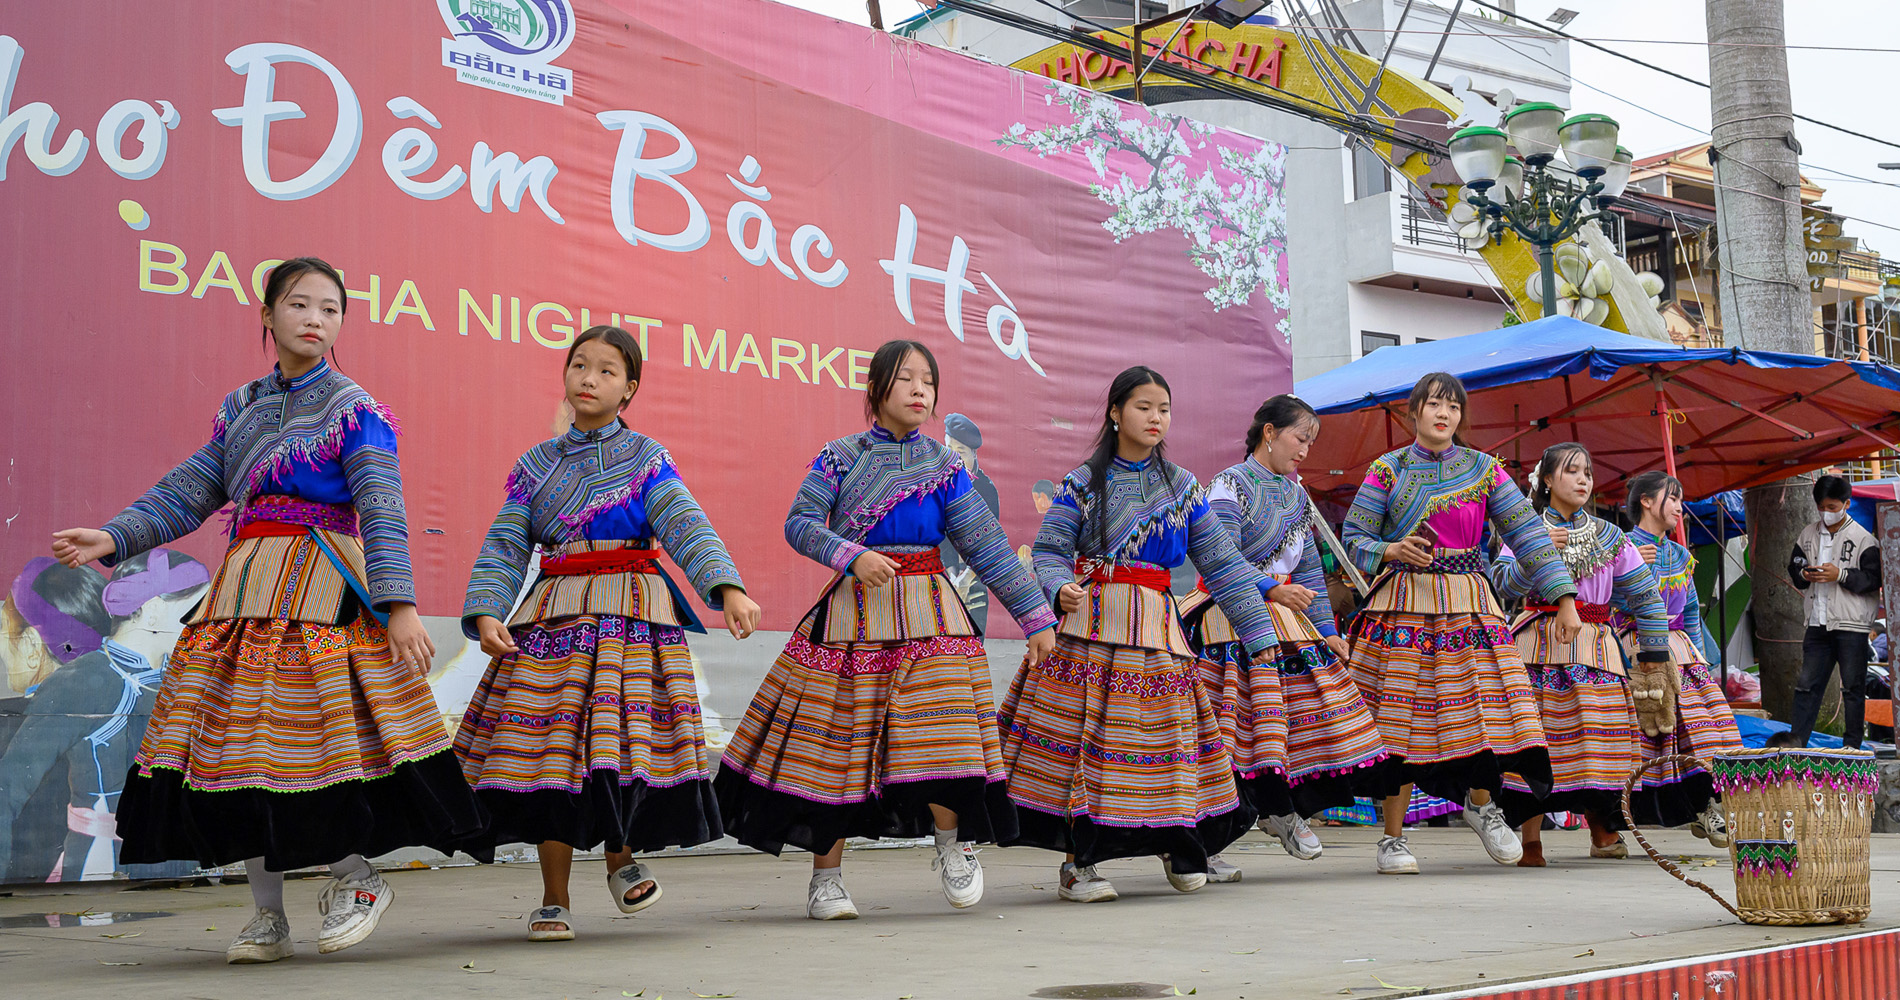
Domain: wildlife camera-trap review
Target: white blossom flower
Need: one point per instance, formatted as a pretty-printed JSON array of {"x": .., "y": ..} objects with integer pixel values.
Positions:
[{"x": 1235, "y": 231}]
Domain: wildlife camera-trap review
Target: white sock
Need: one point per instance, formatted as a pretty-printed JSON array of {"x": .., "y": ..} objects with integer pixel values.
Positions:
[
  {"x": 945, "y": 836},
  {"x": 267, "y": 887},
  {"x": 351, "y": 868},
  {"x": 834, "y": 872}
]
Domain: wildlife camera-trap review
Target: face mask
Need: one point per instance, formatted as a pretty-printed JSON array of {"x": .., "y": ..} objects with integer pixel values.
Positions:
[{"x": 1831, "y": 518}]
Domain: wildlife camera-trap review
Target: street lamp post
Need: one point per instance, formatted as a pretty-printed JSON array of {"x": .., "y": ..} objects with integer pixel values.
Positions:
[{"x": 1539, "y": 202}]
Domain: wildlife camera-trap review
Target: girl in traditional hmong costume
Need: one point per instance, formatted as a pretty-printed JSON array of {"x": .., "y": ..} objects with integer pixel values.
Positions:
[
  {"x": 294, "y": 725},
  {"x": 877, "y": 719},
  {"x": 1430, "y": 648},
  {"x": 1670, "y": 794},
  {"x": 1113, "y": 747},
  {"x": 1297, "y": 728},
  {"x": 586, "y": 727},
  {"x": 1582, "y": 693}
]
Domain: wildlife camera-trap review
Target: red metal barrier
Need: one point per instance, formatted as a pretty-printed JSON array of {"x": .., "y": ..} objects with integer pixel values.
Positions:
[{"x": 1857, "y": 967}]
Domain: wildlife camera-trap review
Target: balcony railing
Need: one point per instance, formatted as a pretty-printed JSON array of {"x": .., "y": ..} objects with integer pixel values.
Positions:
[{"x": 1422, "y": 225}]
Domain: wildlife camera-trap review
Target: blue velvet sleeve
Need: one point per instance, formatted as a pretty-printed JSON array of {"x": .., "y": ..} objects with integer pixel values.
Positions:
[{"x": 375, "y": 478}]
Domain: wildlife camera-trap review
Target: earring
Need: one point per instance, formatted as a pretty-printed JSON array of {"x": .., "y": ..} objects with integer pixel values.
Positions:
[
  {"x": 1269, "y": 447},
  {"x": 1117, "y": 425}
]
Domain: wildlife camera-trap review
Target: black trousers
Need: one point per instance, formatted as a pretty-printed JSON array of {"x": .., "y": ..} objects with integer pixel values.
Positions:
[{"x": 1821, "y": 649}]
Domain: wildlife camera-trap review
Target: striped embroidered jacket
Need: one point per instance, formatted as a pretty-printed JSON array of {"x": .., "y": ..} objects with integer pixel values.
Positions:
[
  {"x": 1607, "y": 570},
  {"x": 1156, "y": 516},
  {"x": 318, "y": 437},
  {"x": 608, "y": 483},
  {"x": 1675, "y": 578},
  {"x": 1459, "y": 491},
  {"x": 1272, "y": 524},
  {"x": 856, "y": 482}
]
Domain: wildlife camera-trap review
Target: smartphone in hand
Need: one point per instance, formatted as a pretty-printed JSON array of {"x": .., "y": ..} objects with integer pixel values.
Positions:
[{"x": 1427, "y": 532}]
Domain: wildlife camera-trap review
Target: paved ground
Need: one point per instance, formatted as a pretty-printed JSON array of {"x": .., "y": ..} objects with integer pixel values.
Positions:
[{"x": 734, "y": 925}]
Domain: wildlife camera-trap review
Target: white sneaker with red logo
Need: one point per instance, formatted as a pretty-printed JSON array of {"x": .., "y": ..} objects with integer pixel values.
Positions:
[{"x": 350, "y": 910}]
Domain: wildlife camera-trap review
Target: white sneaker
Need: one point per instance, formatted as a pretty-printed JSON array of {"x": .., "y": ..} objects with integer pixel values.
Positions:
[
  {"x": 1395, "y": 858},
  {"x": 962, "y": 874},
  {"x": 1218, "y": 870},
  {"x": 1190, "y": 882},
  {"x": 1710, "y": 825},
  {"x": 1294, "y": 835},
  {"x": 827, "y": 900},
  {"x": 350, "y": 911},
  {"x": 265, "y": 939},
  {"x": 1083, "y": 885},
  {"x": 1499, "y": 840}
]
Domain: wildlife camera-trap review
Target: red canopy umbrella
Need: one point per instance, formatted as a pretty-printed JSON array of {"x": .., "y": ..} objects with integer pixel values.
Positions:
[{"x": 1716, "y": 419}]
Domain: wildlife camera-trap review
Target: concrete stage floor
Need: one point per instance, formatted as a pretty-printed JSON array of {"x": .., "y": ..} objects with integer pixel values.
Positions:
[{"x": 734, "y": 924}]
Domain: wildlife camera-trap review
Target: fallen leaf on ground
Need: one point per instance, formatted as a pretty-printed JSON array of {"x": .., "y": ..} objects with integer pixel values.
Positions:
[
  {"x": 129, "y": 934},
  {"x": 470, "y": 967},
  {"x": 1250, "y": 951},
  {"x": 712, "y": 996},
  {"x": 1585, "y": 954},
  {"x": 104, "y": 962},
  {"x": 624, "y": 993},
  {"x": 1709, "y": 864},
  {"x": 1389, "y": 986}
]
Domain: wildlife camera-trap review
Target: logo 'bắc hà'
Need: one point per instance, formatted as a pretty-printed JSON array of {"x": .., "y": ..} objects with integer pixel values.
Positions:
[{"x": 510, "y": 45}]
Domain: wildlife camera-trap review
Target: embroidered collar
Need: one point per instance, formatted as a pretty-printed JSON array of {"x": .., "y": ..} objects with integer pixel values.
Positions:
[
  {"x": 880, "y": 433},
  {"x": 1122, "y": 463},
  {"x": 1425, "y": 454},
  {"x": 277, "y": 375},
  {"x": 576, "y": 439}
]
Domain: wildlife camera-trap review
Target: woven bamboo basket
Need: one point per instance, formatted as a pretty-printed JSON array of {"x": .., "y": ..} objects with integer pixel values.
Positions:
[{"x": 1798, "y": 827}]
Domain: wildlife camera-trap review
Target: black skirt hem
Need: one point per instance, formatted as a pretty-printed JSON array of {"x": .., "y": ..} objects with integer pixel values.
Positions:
[
  {"x": 1452, "y": 780},
  {"x": 1187, "y": 847},
  {"x": 633, "y": 816},
  {"x": 766, "y": 819},
  {"x": 1604, "y": 804},
  {"x": 1271, "y": 795},
  {"x": 426, "y": 803},
  {"x": 1675, "y": 803}
]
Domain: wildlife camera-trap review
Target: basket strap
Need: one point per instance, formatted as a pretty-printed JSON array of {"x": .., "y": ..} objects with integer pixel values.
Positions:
[{"x": 1629, "y": 788}]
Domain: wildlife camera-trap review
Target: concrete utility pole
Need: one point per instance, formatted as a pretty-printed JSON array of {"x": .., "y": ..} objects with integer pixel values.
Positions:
[{"x": 1762, "y": 268}]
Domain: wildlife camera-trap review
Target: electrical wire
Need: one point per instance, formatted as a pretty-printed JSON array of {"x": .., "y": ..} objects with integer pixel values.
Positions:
[
  {"x": 1700, "y": 131},
  {"x": 1632, "y": 41},
  {"x": 1345, "y": 121},
  {"x": 1666, "y": 72}
]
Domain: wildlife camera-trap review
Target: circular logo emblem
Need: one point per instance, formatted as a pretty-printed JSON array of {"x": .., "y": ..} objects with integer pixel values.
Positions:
[{"x": 538, "y": 28}]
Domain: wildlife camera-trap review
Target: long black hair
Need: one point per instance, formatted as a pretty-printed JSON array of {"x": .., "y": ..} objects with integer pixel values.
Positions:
[
  {"x": 1106, "y": 442},
  {"x": 1440, "y": 385},
  {"x": 1556, "y": 457},
  {"x": 882, "y": 375},
  {"x": 1282, "y": 412},
  {"x": 1654, "y": 483}
]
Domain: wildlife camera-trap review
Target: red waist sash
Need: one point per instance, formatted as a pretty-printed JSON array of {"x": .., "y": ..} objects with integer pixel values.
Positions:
[
  {"x": 270, "y": 529},
  {"x": 603, "y": 563},
  {"x": 1595, "y": 614},
  {"x": 1140, "y": 576},
  {"x": 929, "y": 562}
]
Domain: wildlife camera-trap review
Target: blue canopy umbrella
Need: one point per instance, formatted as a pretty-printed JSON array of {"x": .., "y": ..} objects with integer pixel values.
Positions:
[{"x": 1718, "y": 419}]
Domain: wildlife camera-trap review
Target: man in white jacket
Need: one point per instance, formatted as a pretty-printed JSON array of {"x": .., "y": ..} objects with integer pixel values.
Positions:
[{"x": 1836, "y": 564}]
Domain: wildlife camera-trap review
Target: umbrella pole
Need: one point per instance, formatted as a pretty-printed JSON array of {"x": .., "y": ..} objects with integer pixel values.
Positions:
[
  {"x": 1325, "y": 530},
  {"x": 1721, "y": 583},
  {"x": 1669, "y": 455}
]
